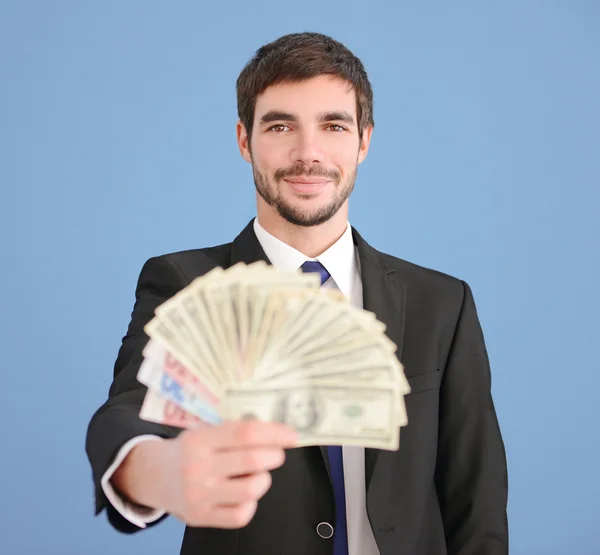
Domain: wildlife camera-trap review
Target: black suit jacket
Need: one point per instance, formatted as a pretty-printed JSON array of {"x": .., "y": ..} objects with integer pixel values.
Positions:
[{"x": 443, "y": 493}]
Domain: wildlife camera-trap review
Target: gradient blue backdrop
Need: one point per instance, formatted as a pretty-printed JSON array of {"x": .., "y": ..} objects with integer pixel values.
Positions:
[{"x": 117, "y": 143}]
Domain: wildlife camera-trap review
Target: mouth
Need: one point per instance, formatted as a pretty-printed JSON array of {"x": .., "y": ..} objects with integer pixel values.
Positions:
[
  {"x": 307, "y": 180},
  {"x": 307, "y": 185}
]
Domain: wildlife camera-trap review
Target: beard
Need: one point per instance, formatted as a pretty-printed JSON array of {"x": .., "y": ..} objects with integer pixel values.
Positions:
[{"x": 296, "y": 215}]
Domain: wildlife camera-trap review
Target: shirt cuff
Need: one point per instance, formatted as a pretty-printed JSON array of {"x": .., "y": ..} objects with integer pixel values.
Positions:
[{"x": 136, "y": 514}]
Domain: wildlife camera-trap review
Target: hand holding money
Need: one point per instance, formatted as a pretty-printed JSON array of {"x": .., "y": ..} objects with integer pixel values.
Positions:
[
  {"x": 210, "y": 477},
  {"x": 256, "y": 343}
]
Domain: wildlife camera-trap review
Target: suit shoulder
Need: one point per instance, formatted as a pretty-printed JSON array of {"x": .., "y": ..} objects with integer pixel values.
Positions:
[
  {"x": 435, "y": 292},
  {"x": 434, "y": 281},
  {"x": 192, "y": 263}
]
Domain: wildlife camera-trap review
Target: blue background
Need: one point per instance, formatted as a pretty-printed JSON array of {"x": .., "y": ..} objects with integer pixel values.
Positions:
[{"x": 117, "y": 143}]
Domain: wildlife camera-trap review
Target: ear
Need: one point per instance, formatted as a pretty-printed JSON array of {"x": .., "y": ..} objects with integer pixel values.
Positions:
[
  {"x": 365, "y": 143},
  {"x": 243, "y": 142}
]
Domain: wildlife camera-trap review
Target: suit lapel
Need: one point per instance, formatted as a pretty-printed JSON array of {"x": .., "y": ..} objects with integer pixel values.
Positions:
[
  {"x": 246, "y": 247},
  {"x": 385, "y": 296}
]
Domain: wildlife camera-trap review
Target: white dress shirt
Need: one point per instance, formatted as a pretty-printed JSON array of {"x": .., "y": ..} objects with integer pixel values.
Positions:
[{"x": 341, "y": 261}]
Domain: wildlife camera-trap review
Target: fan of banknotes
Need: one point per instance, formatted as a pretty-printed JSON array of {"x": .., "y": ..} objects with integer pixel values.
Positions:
[{"x": 256, "y": 342}]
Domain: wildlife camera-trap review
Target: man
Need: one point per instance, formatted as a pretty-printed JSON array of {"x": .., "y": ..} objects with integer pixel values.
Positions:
[{"x": 306, "y": 119}]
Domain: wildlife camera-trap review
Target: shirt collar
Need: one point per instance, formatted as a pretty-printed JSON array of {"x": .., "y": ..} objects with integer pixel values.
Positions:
[{"x": 339, "y": 259}]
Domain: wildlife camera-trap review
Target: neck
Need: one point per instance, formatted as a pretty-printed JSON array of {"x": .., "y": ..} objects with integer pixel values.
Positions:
[{"x": 310, "y": 241}]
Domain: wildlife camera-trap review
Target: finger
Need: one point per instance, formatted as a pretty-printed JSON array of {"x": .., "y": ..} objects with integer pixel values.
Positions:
[
  {"x": 246, "y": 434},
  {"x": 220, "y": 516},
  {"x": 241, "y": 490},
  {"x": 233, "y": 516},
  {"x": 227, "y": 464}
]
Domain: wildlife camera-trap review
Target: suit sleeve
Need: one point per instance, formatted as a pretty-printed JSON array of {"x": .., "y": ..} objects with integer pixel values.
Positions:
[
  {"x": 471, "y": 472},
  {"x": 117, "y": 420}
]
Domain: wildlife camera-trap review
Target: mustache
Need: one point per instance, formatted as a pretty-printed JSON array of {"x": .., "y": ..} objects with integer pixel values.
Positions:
[{"x": 303, "y": 171}]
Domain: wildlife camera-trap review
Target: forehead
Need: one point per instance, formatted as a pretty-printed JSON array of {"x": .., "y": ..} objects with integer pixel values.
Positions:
[{"x": 308, "y": 98}]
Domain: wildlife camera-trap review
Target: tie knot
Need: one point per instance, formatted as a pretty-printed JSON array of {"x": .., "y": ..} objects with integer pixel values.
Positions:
[{"x": 314, "y": 266}]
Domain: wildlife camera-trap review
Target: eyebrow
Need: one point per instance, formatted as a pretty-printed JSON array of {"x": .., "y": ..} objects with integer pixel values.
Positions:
[{"x": 278, "y": 115}]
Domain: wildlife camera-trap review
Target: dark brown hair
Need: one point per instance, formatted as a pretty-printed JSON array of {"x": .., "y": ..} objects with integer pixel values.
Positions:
[{"x": 298, "y": 57}]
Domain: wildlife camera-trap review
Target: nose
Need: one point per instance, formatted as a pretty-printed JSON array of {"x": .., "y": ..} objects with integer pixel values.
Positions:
[{"x": 306, "y": 149}]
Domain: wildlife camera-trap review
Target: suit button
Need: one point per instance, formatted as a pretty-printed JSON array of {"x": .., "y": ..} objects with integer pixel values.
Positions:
[{"x": 325, "y": 530}]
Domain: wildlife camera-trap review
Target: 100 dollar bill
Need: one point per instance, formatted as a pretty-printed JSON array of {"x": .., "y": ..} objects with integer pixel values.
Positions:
[{"x": 327, "y": 414}]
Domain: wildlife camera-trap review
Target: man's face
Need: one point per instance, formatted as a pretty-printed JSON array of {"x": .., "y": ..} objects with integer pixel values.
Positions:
[
  {"x": 305, "y": 148},
  {"x": 300, "y": 409}
]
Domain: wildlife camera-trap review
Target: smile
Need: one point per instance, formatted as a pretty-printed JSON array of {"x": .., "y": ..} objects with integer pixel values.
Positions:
[{"x": 305, "y": 185}]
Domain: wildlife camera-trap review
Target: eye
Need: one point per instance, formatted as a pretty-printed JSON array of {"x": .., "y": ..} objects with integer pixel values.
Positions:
[
  {"x": 336, "y": 128},
  {"x": 277, "y": 128}
]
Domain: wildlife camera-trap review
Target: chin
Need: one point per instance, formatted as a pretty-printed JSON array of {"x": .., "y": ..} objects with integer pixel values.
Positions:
[
  {"x": 308, "y": 210},
  {"x": 307, "y": 216},
  {"x": 308, "y": 200}
]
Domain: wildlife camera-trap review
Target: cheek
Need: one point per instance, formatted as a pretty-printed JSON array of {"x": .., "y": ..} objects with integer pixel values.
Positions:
[
  {"x": 347, "y": 166},
  {"x": 268, "y": 166},
  {"x": 345, "y": 159},
  {"x": 270, "y": 155}
]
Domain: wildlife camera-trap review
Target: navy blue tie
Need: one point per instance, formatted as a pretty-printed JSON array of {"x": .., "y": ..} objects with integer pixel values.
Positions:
[
  {"x": 340, "y": 535},
  {"x": 315, "y": 267}
]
